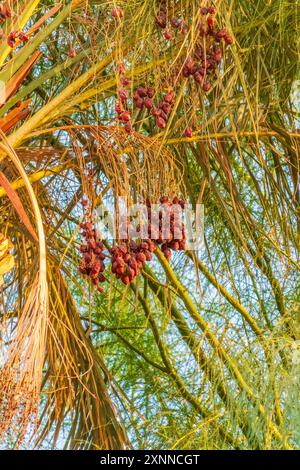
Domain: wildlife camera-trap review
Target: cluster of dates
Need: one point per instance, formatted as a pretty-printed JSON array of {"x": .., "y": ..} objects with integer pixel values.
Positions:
[
  {"x": 201, "y": 65},
  {"x": 207, "y": 52},
  {"x": 162, "y": 111},
  {"x": 92, "y": 261},
  {"x": 143, "y": 97},
  {"x": 121, "y": 108},
  {"x": 128, "y": 259},
  {"x": 16, "y": 35},
  {"x": 162, "y": 21},
  {"x": 173, "y": 236}
]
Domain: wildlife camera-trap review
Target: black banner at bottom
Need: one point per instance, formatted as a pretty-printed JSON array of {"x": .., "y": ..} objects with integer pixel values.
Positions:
[{"x": 135, "y": 459}]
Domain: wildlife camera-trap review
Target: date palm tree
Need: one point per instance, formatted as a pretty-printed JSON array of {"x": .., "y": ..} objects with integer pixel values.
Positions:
[{"x": 146, "y": 99}]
